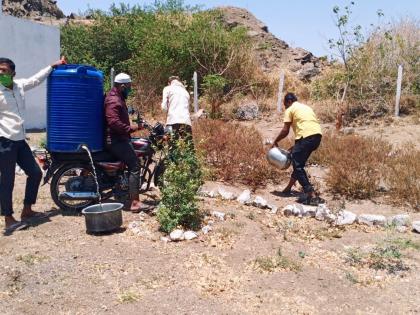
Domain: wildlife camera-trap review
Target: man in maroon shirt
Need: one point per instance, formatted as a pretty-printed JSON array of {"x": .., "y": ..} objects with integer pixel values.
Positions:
[{"x": 118, "y": 129}]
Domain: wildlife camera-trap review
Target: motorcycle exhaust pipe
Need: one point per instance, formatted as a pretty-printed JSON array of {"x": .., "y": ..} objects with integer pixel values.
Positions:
[{"x": 78, "y": 195}]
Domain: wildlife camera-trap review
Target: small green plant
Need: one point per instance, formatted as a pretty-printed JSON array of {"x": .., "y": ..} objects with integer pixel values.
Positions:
[
  {"x": 213, "y": 85},
  {"x": 352, "y": 278},
  {"x": 30, "y": 259},
  {"x": 182, "y": 179},
  {"x": 405, "y": 244},
  {"x": 279, "y": 261},
  {"x": 43, "y": 143},
  {"x": 302, "y": 254},
  {"x": 128, "y": 296},
  {"x": 384, "y": 256}
]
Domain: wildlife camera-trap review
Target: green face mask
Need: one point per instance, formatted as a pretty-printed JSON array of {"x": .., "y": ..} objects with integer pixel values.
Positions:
[
  {"x": 127, "y": 92},
  {"x": 6, "y": 80}
]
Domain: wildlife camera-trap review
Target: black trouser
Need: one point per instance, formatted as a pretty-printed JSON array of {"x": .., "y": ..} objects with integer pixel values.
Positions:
[
  {"x": 12, "y": 153},
  {"x": 300, "y": 154},
  {"x": 124, "y": 151}
]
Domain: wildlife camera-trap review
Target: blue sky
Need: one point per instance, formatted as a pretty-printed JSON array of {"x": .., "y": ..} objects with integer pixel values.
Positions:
[{"x": 307, "y": 24}]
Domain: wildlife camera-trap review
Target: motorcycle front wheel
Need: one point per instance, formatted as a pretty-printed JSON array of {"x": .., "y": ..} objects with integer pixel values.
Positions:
[{"x": 73, "y": 178}]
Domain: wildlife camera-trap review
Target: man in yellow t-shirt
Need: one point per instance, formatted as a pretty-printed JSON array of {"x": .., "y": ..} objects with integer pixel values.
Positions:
[{"x": 308, "y": 136}]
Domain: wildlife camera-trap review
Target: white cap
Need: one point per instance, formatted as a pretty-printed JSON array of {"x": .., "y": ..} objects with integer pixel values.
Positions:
[{"x": 122, "y": 78}]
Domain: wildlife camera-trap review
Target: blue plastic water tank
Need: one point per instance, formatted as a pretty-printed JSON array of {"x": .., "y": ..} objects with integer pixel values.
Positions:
[{"x": 75, "y": 111}]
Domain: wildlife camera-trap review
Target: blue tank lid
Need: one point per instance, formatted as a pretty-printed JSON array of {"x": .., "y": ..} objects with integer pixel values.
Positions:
[{"x": 77, "y": 70}]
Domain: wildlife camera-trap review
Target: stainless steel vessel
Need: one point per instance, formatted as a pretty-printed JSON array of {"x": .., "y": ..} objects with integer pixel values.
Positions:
[
  {"x": 279, "y": 158},
  {"x": 104, "y": 217}
]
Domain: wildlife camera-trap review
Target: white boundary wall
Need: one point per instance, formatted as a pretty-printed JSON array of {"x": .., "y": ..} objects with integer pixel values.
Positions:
[{"x": 31, "y": 46}]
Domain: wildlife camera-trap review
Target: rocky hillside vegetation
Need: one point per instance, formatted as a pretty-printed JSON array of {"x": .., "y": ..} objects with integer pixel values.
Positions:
[
  {"x": 272, "y": 52},
  {"x": 33, "y": 9}
]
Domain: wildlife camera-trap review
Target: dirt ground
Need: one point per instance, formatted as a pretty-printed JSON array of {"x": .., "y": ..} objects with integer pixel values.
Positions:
[{"x": 254, "y": 262}]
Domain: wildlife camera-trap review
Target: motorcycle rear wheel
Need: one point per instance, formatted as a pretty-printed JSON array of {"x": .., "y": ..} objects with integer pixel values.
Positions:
[{"x": 60, "y": 180}]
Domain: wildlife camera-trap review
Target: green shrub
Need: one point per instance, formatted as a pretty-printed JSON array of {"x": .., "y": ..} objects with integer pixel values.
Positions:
[
  {"x": 213, "y": 86},
  {"x": 181, "y": 181},
  {"x": 155, "y": 42}
]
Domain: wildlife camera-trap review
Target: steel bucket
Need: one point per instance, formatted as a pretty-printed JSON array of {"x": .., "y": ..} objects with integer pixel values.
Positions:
[
  {"x": 104, "y": 217},
  {"x": 279, "y": 158}
]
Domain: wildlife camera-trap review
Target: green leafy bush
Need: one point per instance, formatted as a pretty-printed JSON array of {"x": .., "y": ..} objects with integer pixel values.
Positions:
[
  {"x": 213, "y": 85},
  {"x": 181, "y": 181},
  {"x": 154, "y": 42}
]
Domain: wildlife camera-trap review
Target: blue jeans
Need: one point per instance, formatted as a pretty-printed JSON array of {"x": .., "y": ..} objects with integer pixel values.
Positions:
[
  {"x": 12, "y": 153},
  {"x": 300, "y": 154}
]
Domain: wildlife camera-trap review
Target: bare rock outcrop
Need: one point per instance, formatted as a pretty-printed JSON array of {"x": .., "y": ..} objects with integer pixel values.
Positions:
[
  {"x": 272, "y": 52},
  {"x": 33, "y": 9}
]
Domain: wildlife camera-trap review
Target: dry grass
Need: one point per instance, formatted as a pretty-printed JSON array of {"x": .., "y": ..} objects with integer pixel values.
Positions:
[
  {"x": 403, "y": 177},
  {"x": 355, "y": 164},
  {"x": 371, "y": 92},
  {"x": 327, "y": 110},
  {"x": 277, "y": 262},
  {"x": 234, "y": 153}
]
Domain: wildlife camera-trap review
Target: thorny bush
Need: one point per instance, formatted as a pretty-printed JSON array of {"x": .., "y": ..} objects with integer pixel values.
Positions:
[
  {"x": 234, "y": 153},
  {"x": 403, "y": 177},
  {"x": 356, "y": 164}
]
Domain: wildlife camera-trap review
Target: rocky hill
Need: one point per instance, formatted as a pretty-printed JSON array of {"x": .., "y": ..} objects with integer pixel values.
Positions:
[
  {"x": 33, "y": 9},
  {"x": 271, "y": 52}
]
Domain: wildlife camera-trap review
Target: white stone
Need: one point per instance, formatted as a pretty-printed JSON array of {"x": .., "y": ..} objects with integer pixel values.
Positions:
[
  {"x": 306, "y": 211},
  {"x": 218, "y": 215},
  {"x": 190, "y": 235},
  {"x": 345, "y": 217},
  {"x": 165, "y": 239},
  {"x": 323, "y": 213},
  {"x": 416, "y": 226},
  {"x": 399, "y": 220},
  {"x": 371, "y": 219},
  {"x": 226, "y": 195},
  {"x": 273, "y": 208},
  {"x": 206, "y": 193},
  {"x": 401, "y": 229},
  {"x": 291, "y": 210},
  {"x": 260, "y": 202},
  {"x": 177, "y": 235},
  {"x": 206, "y": 229},
  {"x": 245, "y": 197}
]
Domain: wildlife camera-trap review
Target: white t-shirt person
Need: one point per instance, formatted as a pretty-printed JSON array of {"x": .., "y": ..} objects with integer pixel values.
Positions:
[{"x": 176, "y": 102}]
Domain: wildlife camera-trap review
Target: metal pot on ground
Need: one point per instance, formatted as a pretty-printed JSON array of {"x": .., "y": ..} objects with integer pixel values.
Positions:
[{"x": 101, "y": 218}]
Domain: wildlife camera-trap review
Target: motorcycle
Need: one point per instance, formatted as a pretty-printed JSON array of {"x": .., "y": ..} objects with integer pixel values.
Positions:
[{"x": 74, "y": 185}]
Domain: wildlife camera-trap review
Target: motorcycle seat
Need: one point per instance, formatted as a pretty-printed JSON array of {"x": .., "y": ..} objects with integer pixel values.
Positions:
[{"x": 101, "y": 156}]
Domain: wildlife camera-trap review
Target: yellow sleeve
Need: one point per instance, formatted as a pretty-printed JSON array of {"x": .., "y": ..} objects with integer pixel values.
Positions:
[{"x": 288, "y": 116}]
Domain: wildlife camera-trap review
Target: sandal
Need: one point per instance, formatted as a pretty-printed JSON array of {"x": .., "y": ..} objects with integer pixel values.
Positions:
[
  {"x": 313, "y": 201},
  {"x": 37, "y": 215},
  {"x": 18, "y": 226}
]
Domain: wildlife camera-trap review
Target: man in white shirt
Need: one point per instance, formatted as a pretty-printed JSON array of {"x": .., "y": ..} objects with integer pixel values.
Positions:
[
  {"x": 13, "y": 147},
  {"x": 176, "y": 102}
]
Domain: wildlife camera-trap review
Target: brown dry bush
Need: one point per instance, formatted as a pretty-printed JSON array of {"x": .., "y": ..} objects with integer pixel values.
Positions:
[
  {"x": 355, "y": 164},
  {"x": 234, "y": 153},
  {"x": 403, "y": 177}
]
